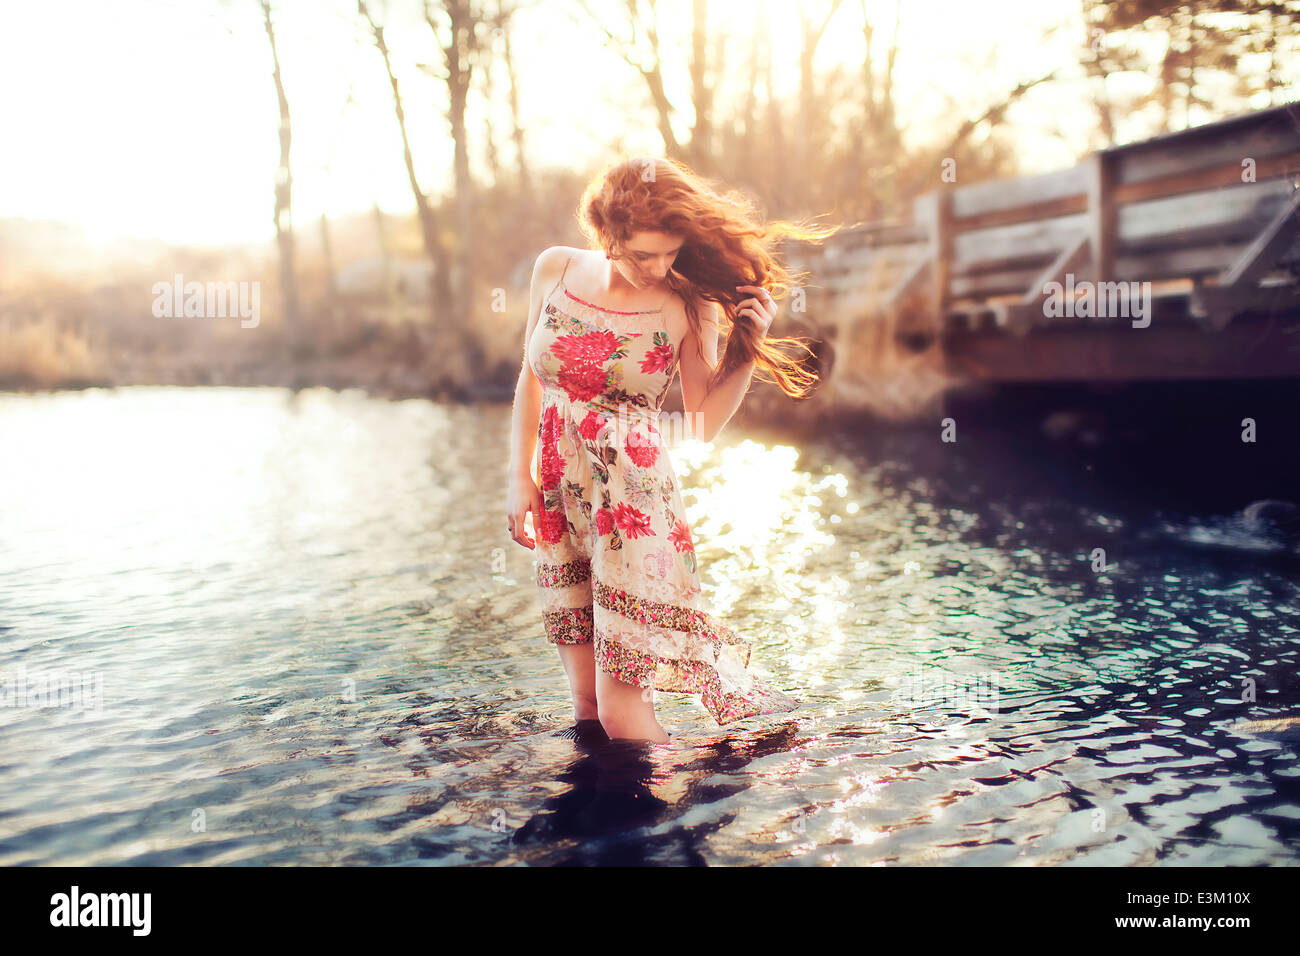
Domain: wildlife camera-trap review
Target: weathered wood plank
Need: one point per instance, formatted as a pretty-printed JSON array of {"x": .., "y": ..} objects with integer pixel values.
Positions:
[
  {"x": 1190, "y": 261},
  {"x": 1214, "y": 177},
  {"x": 982, "y": 198},
  {"x": 1026, "y": 244},
  {"x": 991, "y": 283},
  {"x": 1135, "y": 266},
  {"x": 1213, "y": 215},
  {"x": 1268, "y": 133}
]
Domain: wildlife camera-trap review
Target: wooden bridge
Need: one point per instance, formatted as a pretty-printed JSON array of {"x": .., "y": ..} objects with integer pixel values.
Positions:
[{"x": 1176, "y": 257}]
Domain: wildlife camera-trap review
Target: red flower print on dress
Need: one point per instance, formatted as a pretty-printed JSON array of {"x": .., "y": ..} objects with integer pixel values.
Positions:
[
  {"x": 657, "y": 359},
  {"x": 589, "y": 428},
  {"x": 604, "y": 521},
  {"x": 590, "y": 348},
  {"x": 582, "y": 383},
  {"x": 634, "y": 523},
  {"x": 552, "y": 527},
  {"x": 680, "y": 536},
  {"x": 552, "y": 466},
  {"x": 642, "y": 449}
]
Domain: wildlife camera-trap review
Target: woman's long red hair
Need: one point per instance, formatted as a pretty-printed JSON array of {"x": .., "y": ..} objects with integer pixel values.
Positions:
[{"x": 726, "y": 244}]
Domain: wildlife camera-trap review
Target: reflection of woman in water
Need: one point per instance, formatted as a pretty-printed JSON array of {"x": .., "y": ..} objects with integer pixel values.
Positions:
[{"x": 606, "y": 336}]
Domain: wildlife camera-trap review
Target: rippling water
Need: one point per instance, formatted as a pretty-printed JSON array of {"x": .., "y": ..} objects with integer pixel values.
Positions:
[{"x": 298, "y": 632}]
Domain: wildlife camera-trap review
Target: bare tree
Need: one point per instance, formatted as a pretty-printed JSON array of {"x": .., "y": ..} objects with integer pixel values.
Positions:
[
  {"x": 702, "y": 144},
  {"x": 331, "y": 275},
  {"x": 387, "y": 274},
  {"x": 440, "y": 288},
  {"x": 283, "y": 187},
  {"x": 488, "y": 90},
  {"x": 778, "y": 175},
  {"x": 512, "y": 77},
  {"x": 650, "y": 68},
  {"x": 876, "y": 128},
  {"x": 812, "y": 106},
  {"x": 993, "y": 115},
  {"x": 460, "y": 51},
  {"x": 333, "y": 304},
  {"x": 882, "y": 119}
]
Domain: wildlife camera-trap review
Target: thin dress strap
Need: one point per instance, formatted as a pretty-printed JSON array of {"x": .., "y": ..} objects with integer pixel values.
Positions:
[{"x": 561, "y": 278}]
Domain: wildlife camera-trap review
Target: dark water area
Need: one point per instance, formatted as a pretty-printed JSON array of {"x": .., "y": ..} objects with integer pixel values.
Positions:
[
  {"x": 1172, "y": 444},
  {"x": 1062, "y": 638}
]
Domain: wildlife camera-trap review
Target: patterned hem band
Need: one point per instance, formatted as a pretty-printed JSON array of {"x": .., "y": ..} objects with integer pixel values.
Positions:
[{"x": 570, "y": 625}]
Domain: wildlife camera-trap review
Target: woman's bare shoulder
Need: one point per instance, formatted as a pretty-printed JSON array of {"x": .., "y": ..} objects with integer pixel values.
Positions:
[{"x": 552, "y": 259}]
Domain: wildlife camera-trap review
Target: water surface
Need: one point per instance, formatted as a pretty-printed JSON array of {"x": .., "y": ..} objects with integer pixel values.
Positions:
[{"x": 310, "y": 640}]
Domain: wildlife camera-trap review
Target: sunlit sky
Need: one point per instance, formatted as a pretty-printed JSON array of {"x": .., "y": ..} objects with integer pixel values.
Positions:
[{"x": 150, "y": 118}]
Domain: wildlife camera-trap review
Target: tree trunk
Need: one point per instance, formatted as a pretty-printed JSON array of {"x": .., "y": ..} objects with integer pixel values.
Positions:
[
  {"x": 386, "y": 277},
  {"x": 439, "y": 286},
  {"x": 702, "y": 145},
  {"x": 283, "y": 191},
  {"x": 331, "y": 275},
  {"x": 652, "y": 73},
  {"x": 459, "y": 54},
  {"x": 523, "y": 175}
]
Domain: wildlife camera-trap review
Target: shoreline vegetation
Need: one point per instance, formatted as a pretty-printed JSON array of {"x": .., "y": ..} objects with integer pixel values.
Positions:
[
  {"x": 384, "y": 361},
  {"x": 396, "y": 362},
  {"x": 76, "y": 316}
]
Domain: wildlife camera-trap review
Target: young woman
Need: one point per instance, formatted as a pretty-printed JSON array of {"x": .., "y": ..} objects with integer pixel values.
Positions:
[{"x": 606, "y": 335}]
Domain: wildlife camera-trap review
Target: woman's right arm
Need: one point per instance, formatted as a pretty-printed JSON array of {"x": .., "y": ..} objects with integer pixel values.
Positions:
[{"x": 523, "y": 495}]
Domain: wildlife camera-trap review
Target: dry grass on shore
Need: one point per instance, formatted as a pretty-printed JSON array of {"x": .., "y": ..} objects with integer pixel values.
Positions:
[{"x": 39, "y": 355}]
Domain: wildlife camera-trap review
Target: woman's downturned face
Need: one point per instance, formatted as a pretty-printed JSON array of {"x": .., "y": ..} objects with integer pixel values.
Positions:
[{"x": 647, "y": 258}]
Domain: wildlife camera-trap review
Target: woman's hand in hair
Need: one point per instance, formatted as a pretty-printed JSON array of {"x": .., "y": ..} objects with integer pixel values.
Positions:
[{"x": 760, "y": 308}]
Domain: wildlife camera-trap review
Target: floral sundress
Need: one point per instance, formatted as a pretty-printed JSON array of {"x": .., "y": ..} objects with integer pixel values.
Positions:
[{"x": 615, "y": 558}]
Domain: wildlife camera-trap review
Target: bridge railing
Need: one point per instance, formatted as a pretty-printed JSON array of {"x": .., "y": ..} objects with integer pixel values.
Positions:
[{"x": 1216, "y": 206}]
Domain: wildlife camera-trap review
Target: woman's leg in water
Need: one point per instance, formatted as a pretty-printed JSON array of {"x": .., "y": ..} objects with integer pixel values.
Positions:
[
  {"x": 580, "y": 664},
  {"x": 627, "y": 712}
]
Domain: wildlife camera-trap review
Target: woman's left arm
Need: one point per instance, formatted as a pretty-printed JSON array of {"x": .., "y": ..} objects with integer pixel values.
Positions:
[{"x": 708, "y": 411}]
